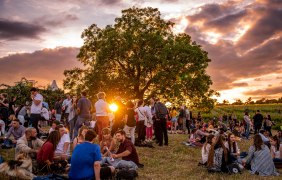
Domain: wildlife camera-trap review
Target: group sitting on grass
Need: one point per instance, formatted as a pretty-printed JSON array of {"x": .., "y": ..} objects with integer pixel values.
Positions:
[
  {"x": 89, "y": 158},
  {"x": 221, "y": 152}
]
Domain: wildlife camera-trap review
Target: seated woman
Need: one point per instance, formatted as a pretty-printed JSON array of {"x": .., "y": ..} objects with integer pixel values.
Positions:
[
  {"x": 233, "y": 148},
  {"x": 276, "y": 149},
  {"x": 260, "y": 159},
  {"x": 108, "y": 143},
  {"x": 45, "y": 156},
  {"x": 81, "y": 135},
  {"x": 85, "y": 161},
  {"x": 218, "y": 156},
  {"x": 206, "y": 149},
  {"x": 193, "y": 141}
]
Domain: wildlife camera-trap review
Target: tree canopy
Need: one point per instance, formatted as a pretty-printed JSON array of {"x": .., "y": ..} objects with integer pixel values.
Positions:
[{"x": 139, "y": 57}]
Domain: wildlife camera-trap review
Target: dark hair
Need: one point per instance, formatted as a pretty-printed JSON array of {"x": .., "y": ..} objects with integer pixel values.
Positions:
[
  {"x": 33, "y": 89},
  {"x": 54, "y": 137},
  {"x": 16, "y": 120},
  {"x": 90, "y": 135},
  {"x": 209, "y": 141},
  {"x": 130, "y": 104},
  {"x": 275, "y": 138},
  {"x": 262, "y": 131},
  {"x": 122, "y": 132},
  {"x": 258, "y": 110},
  {"x": 234, "y": 147},
  {"x": 5, "y": 95},
  {"x": 246, "y": 113},
  {"x": 59, "y": 126},
  {"x": 56, "y": 122},
  {"x": 219, "y": 143},
  {"x": 84, "y": 93},
  {"x": 140, "y": 102},
  {"x": 258, "y": 142}
]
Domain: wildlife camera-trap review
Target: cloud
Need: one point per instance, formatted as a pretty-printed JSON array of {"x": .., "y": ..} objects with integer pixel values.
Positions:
[
  {"x": 264, "y": 92},
  {"x": 240, "y": 84},
  {"x": 43, "y": 65},
  {"x": 56, "y": 20},
  {"x": 12, "y": 30},
  {"x": 110, "y": 2},
  {"x": 268, "y": 25},
  {"x": 247, "y": 56},
  {"x": 227, "y": 22}
]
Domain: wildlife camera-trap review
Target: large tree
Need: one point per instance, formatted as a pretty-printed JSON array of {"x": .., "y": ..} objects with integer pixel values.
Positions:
[{"x": 140, "y": 56}]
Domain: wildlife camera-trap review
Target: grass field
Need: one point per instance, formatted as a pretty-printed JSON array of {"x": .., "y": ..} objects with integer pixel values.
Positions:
[
  {"x": 175, "y": 161},
  {"x": 275, "y": 111}
]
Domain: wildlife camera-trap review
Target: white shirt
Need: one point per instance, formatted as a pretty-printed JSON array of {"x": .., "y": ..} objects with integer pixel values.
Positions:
[
  {"x": 45, "y": 113},
  {"x": 60, "y": 147},
  {"x": 276, "y": 153},
  {"x": 205, "y": 153},
  {"x": 142, "y": 113},
  {"x": 247, "y": 119},
  {"x": 68, "y": 103},
  {"x": 36, "y": 109},
  {"x": 101, "y": 107}
]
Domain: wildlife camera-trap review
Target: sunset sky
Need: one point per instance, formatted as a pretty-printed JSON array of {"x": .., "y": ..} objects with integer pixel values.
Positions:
[{"x": 40, "y": 39}]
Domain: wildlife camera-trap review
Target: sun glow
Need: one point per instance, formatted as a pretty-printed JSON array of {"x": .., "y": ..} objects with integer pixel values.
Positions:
[
  {"x": 212, "y": 37},
  {"x": 181, "y": 25},
  {"x": 113, "y": 107},
  {"x": 67, "y": 39}
]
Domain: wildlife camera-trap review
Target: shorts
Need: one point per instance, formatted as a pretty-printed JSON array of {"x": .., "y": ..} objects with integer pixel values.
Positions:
[{"x": 174, "y": 119}]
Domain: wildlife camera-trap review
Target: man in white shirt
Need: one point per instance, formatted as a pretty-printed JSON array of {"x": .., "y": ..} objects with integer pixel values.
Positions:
[
  {"x": 35, "y": 108},
  {"x": 63, "y": 148},
  {"x": 102, "y": 110}
]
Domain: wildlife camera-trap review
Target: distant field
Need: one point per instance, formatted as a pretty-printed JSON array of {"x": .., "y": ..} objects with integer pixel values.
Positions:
[{"x": 275, "y": 111}]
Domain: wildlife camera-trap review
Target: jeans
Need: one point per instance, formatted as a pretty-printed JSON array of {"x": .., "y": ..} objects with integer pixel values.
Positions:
[
  {"x": 34, "y": 118},
  {"x": 58, "y": 117},
  {"x": 247, "y": 131},
  {"x": 130, "y": 131},
  {"x": 72, "y": 125},
  {"x": 21, "y": 119},
  {"x": 79, "y": 122}
]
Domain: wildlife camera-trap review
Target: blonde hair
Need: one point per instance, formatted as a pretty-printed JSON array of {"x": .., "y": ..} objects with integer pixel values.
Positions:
[{"x": 101, "y": 95}]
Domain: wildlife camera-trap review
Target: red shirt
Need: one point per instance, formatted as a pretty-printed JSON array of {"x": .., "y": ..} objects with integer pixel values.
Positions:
[
  {"x": 46, "y": 153},
  {"x": 127, "y": 145}
]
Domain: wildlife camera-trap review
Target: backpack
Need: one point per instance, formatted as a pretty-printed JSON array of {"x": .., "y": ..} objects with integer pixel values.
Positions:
[
  {"x": 161, "y": 110},
  {"x": 128, "y": 174}
]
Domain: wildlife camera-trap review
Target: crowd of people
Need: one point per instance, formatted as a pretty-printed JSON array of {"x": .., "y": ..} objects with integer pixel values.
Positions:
[{"x": 76, "y": 123}]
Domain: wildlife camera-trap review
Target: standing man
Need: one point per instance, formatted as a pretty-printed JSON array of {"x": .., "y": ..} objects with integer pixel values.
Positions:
[
  {"x": 258, "y": 118},
  {"x": 35, "y": 108},
  {"x": 83, "y": 111},
  {"x": 58, "y": 109},
  {"x": 102, "y": 110},
  {"x": 161, "y": 113},
  {"x": 67, "y": 103}
]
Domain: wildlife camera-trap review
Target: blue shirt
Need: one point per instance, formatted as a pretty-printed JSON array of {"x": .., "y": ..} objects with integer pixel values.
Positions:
[{"x": 82, "y": 161}]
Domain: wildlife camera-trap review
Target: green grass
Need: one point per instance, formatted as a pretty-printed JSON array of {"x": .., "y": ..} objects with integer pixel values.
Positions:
[
  {"x": 275, "y": 111},
  {"x": 175, "y": 161}
]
